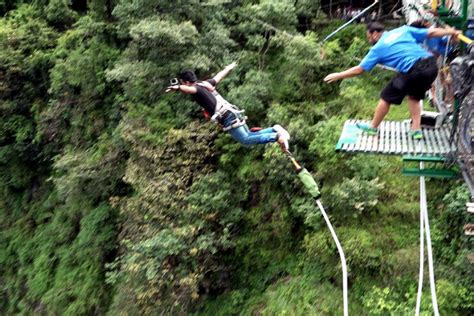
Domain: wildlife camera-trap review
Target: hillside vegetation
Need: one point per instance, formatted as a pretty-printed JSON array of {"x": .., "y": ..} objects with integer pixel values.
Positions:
[{"x": 119, "y": 199}]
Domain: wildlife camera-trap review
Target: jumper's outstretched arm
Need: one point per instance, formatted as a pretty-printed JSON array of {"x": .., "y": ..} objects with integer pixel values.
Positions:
[{"x": 223, "y": 73}]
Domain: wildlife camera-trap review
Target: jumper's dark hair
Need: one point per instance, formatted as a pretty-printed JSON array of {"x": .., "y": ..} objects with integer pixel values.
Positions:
[
  {"x": 188, "y": 75},
  {"x": 375, "y": 27}
]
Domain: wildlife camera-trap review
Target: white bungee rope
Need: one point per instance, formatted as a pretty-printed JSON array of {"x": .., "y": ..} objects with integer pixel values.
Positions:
[
  {"x": 345, "y": 291},
  {"x": 425, "y": 231}
]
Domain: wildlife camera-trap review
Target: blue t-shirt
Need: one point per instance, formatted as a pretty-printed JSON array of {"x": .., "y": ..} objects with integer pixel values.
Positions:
[
  {"x": 438, "y": 45},
  {"x": 398, "y": 48}
]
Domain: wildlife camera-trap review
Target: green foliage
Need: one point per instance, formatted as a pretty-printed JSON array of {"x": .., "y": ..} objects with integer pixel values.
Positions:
[
  {"x": 453, "y": 298},
  {"x": 327, "y": 161},
  {"x": 299, "y": 296},
  {"x": 26, "y": 45},
  {"x": 363, "y": 249},
  {"x": 355, "y": 197},
  {"x": 309, "y": 8},
  {"x": 81, "y": 267},
  {"x": 303, "y": 65},
  {"x": 101, "y": 9},
  {"x": 152, "y": 33},
  {"x": 366, "y": 169},
  {"x": 384, "y": 301},
  {"x": 58, "y": 258},
  {"x": 349, "y": 36},
  {"x": 116, "y": 200},
  {"x": 321, "y": 252},
  {"x": 56, "y": 239},
  {"x": 452, "y": 245},
  {"x": 131, "y": 12},
  {"x": 281, "y": 13},
  {"x": 59, "y": 13},
  {"x": 81, "y": 104},
  {"x": 184, "y": 228},
  {"x": 253, "y": 95},
  {"x": 95, "y": 173},
  {"x": 452, "y": 220}
]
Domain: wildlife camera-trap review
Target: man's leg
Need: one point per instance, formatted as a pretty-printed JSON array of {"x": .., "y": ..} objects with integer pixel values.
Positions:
[
  {"x": 380, "y": 111},
  {"x": 393, "y": 93},
  {"x": 245, "y": 137},
  {"x": 415, "y": 111},
  {"x": 268, "y": 130},
  {"x": 420, "y": 82}
]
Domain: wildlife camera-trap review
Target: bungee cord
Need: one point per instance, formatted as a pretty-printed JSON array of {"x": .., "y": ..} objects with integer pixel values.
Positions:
[
  {"x": 312, "y": 188},
  {"x": 425, "y": 232}
]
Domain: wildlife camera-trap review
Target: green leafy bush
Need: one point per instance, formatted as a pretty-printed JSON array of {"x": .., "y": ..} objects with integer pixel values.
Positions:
[
  {"x": 355, "y": 197},
  {"x": 116, "y": 199}
]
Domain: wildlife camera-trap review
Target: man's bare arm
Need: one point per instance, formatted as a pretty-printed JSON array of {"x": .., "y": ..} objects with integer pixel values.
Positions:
[
  {"x": 351, "y": 72},
  {"x": 182, "y": 88},
  {"x": 440, "y": 32},
  {"x": 224, "y": 72}
]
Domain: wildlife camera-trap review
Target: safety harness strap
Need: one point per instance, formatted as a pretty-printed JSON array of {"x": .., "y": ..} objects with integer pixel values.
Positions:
[{"x": 222, "y": 107}]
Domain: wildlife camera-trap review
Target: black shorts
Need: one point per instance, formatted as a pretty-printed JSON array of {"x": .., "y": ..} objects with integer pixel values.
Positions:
[{"x": 414, "y": 83}]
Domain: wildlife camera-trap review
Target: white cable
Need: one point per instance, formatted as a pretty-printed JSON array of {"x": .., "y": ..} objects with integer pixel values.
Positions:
[
  {"x": 422, "y": 249},
  {"x": 445, "y": 59},
  {"x": 343, "y": 259},
  {"x": 350, "y": 21},
  {"x": 424, "y": 211},
  {"x": 430, "y": 254}
]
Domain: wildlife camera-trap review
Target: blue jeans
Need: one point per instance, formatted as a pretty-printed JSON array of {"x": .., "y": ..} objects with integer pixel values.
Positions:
[{"x": 244, "y": 136}]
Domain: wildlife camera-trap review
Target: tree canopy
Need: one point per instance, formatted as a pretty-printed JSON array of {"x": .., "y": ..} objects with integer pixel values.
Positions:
[{"x": 118, "y": 198}]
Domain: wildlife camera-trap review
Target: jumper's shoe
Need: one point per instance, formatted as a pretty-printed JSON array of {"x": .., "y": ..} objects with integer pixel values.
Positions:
[
  {"x": 366, "y": 128},
  {"x": 416, "y": 134},
  {"x": 283, "y": 137}
]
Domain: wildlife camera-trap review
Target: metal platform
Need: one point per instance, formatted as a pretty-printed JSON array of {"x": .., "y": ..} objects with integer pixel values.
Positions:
[
  {"x": 393, "y": 139},
  {"x": 470, "y": 207}
]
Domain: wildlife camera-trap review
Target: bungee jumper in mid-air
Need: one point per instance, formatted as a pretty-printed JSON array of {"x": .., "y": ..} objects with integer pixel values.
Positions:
[
  {"x": 226, "y": 114},
  {"x": 417, "y": 69}
]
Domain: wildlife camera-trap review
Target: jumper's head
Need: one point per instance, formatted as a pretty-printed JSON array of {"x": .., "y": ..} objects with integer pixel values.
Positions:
[{"x": 187, "y": 77}]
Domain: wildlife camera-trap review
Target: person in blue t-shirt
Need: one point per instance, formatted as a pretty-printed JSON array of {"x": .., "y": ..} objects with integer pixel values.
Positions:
[{"x": 399, "y": 49}]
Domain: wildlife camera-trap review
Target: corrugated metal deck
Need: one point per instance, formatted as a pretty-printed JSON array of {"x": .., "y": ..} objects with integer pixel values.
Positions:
[
  {"x": 470, "y": 207},
  {"x": 393, "y": 139}
]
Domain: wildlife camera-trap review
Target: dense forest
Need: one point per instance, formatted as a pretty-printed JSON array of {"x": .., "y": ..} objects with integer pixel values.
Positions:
[{"x": 117, "y": 198}]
